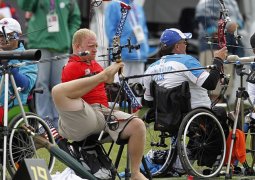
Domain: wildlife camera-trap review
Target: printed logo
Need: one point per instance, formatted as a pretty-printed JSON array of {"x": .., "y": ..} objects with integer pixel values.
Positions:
[{"x": 87, "y": 71}]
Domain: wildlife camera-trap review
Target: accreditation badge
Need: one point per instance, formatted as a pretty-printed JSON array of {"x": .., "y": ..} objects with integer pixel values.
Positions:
[{"x": 52, "y": 22}]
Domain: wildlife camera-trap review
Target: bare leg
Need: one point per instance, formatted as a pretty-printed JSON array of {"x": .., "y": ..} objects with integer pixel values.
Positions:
[
  {"x": 67, "y": 95},
  {"x": 136, "y": 133}
]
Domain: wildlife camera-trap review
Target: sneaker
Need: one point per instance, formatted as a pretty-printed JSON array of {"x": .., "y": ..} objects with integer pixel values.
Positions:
[{"x": 237, "y": 170}]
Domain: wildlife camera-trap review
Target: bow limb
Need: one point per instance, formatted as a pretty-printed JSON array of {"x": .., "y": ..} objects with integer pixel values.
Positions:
[
  {"x": 221, "y": 33},
  {"x": 223, "y": 20}
]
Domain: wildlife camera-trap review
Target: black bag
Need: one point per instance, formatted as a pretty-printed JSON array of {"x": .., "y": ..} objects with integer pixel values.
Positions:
[
  {"x": 112, "y": 91},
  {"x": 94, "y": 158},
  {"x": 170, "y": 106}
]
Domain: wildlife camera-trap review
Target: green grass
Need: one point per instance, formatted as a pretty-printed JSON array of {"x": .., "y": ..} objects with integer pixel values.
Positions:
[{"x": 59, "y": 166}]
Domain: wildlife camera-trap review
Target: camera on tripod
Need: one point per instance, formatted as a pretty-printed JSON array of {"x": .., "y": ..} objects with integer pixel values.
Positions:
[
  {"x": 240, "y": 71},
  {"x": 137, "y": 89}
]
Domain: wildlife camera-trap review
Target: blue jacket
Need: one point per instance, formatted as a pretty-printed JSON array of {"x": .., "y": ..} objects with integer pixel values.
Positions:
[
  {"x": 30, "y": 72},
  {"x": 112, "y": 19}
]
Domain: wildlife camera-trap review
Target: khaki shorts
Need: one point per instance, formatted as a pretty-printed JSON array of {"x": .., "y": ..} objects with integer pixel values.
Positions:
[{"x": 77, "y": 125}]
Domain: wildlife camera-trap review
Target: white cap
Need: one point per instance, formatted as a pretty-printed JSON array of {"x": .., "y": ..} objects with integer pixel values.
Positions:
[{"x": 10, "y": 25}]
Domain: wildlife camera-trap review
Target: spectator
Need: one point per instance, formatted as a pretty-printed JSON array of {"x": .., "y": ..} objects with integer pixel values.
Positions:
[
  {"x": 24, "y": 76},
  {"x": 135, "y": 28},
  {"x": 61, "y": 19},
  {"x": 207, "y": 16},
  {"x": 83, "y": 106}
]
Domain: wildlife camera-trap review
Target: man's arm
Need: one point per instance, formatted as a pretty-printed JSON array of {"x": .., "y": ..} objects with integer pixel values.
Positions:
[
  {"x": 21, "y": 80},
  {"x": 25, "y": 77},
  {"x": 211, "y": 82}
]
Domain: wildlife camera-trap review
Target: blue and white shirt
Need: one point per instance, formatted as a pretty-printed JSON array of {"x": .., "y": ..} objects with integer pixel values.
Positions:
[{"x": 176, "y": 62}]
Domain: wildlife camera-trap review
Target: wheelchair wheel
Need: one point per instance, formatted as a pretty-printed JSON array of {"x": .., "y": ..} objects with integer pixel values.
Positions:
[
  {"x": 201, "y": 144},
  {"x": 160, "y": 152},
  {"x": 20, "y": 143}
]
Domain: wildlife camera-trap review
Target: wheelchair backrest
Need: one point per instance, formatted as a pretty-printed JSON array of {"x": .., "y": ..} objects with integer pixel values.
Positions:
[{"x": 170, "y": 104}]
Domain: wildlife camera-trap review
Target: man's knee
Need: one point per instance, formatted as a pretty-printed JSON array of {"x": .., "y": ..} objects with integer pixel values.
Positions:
[{"x": 137, "y": 125}]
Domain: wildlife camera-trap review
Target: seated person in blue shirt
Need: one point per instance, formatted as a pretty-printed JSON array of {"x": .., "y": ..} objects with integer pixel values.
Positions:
[
  {"x": 24, "y": 76},
  {"x": 173, "y": 58}
]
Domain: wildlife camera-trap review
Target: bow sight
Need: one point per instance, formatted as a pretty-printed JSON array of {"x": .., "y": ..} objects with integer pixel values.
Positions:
[{"x": 115, "y": 51}]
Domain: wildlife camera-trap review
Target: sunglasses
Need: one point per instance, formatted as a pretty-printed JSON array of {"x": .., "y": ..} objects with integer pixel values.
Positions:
[{"x": 184, "y": 42}]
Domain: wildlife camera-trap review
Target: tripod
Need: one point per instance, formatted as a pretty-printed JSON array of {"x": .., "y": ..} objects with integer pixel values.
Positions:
[
  {"x": 6, "y": 76},
  {"x": 241, "y": 96}
]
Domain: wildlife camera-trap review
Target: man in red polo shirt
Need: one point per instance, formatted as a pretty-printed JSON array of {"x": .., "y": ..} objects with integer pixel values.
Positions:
[{"x": 82, "y": 103}]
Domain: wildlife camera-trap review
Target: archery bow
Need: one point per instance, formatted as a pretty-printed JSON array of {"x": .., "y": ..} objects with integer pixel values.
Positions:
[
  {"x": 221, "y": 31},
  {"x": 115, "y": 51}
]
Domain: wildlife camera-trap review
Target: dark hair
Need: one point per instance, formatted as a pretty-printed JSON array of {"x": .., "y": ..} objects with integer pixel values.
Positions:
[
  {"x": 165, "y": 50},
  {"x": 252, "y": 41}
]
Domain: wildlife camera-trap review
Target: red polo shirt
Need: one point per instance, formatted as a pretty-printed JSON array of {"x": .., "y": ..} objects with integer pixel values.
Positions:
[{"x": 75, "y": 70}]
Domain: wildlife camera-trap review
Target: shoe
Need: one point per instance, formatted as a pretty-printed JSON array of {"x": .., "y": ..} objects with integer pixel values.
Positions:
[
  {"x": 237, "y": 170},
  {"x": 207, "y": 171}
]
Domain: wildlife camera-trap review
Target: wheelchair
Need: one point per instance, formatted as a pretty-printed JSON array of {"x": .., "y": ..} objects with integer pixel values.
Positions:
[
  {"x": 19, "y": 142},
  {"x": 94, "y": 149},
  {"x": 182, "y": 140}
]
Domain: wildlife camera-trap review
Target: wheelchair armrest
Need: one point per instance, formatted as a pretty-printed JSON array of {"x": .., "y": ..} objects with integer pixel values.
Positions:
[{"x": 37, "y": 90}]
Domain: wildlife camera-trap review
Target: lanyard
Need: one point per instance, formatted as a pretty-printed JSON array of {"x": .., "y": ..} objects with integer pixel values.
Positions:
[
  {"x": 134, "y": 16},
  {"x": 52, "y": 5}
]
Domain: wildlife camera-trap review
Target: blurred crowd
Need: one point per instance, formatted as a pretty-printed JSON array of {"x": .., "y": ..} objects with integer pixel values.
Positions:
[{"x": 50, "y": 27}]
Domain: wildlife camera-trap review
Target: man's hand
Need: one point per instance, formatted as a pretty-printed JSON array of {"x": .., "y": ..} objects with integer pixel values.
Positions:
[{"x": 221, "y": 53}]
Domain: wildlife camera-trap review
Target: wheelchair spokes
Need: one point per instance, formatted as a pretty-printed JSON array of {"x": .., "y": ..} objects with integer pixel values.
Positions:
[
  {"x": 201, "y": 144},
  {"x": 20, "y": 142}
]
